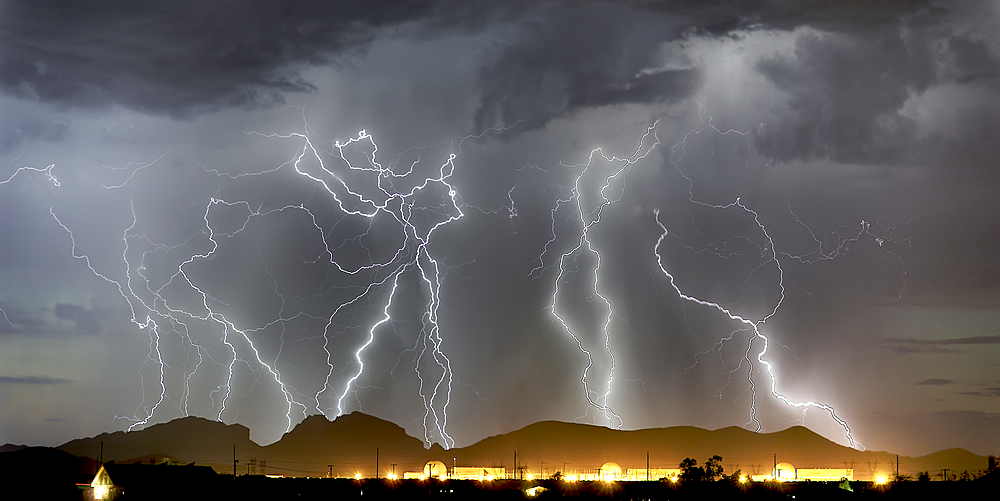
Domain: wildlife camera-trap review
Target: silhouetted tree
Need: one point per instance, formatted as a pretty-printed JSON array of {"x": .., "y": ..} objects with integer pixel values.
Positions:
[
  {"x": 690, "y": 471},
  {"x": 734, "y": 478},
  {"x": 713, "y": 468},
  {"x": 924, "y": 476}
]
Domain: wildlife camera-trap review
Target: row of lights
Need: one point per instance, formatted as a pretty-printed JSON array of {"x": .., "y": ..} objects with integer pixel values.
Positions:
[{"x": 879, "y": 480}]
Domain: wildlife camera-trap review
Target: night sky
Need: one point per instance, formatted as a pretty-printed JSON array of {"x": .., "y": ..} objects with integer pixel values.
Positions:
[{"x": 468, "y": 216}]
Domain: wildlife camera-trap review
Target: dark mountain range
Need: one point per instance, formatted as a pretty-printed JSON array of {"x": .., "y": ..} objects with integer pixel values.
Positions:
[
  {"x": 10, "y": 448},
  {"x": 354, "y": 442},
  {"x": 44, "y": 473},
  {"x": 188, "y": 439}
]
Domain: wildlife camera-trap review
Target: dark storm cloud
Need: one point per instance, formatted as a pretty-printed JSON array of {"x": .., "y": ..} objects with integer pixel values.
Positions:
[
  {"x": 33, "y": 380},
  {"x": 558, "y": 64},
  {"x": 188, "y": 57},
  {"x": 905, "y": 346},
  {"x": 567, "y": 57},
  {"x": 17, "y": 320},
  {"x": 13, "y": 134},
  {"x": 993, "y": 391},
  {"x": 179, "y": 57},
  {"x": 845, "y": 92},
  {"x": 843, "y": 100},
  {"x": 935, "y": 382},
  {"x": 85, "y": 321}
]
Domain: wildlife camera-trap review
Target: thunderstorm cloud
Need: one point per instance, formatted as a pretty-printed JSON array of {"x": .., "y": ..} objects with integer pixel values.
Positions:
[{"x": 468, "y": 216}]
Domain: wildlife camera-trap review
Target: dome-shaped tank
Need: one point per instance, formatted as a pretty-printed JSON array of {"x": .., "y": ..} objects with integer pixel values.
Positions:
[
  {"x": 435, "y": 469},
  {"x": 784, "y": 471},
  {"x": 611, "y": 472}
]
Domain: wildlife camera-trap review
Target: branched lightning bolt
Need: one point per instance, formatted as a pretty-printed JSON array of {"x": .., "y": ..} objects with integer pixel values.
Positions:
[
  {"x": 413, "y": 209},
  {"x": 589, "y": 215},
  {"x": 588, "y": 219},
  {"x": 771, "y": 256},
  {"x": 48, "y": 174},
  {"x": 418, "y": 204},
  {"x": 752, "y": 325},
  {"x": 417, "y": 201},
  {"x": 55, "y": 182},
  {"x": 413, "y": 254}
]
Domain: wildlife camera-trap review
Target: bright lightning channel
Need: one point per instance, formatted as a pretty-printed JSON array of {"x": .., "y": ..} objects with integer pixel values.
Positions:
[
  {"x": 588, "y": 220},
  {"x": 753, "y": 326},
  {"x": 327, "y": 169}
]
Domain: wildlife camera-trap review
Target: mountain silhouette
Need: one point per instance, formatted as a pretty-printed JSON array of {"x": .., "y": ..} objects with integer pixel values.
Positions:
[
  {"x": 354, "y": 443},
  {"x": 189, "y": 439}
]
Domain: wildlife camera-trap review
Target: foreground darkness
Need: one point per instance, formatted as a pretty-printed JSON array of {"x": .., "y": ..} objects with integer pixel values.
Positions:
[
  {"x": 263, "y": 488},
  {"x": 50, "y": 474}
]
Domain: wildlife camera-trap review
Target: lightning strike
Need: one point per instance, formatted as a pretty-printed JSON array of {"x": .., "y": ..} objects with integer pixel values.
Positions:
[
  {"x": 417, "y": 200},
  {"x": 588, "y": 220},
  {"x": 350, "y": 188}
]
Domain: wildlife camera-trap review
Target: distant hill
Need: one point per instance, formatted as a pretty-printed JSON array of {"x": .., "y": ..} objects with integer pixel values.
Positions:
[
  {"x": 192, "y": 438},
  {"x": 10, "y": 448},
  {"x": 349, "y": 443},
  {"x": 587, "y": 447},
  {"x": 44, "y": 473}
]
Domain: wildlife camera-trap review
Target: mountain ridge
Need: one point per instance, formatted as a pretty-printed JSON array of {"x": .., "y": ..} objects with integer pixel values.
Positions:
[{"x": 357, "y": 443}]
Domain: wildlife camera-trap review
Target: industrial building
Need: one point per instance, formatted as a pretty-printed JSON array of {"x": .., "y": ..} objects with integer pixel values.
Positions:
[
  {"x": 785, "y": 472},
  {"x": 438, "y": 470}
]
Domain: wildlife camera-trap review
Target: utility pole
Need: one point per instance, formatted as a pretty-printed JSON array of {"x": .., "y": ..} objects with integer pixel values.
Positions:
[
  {"x": 647, "y": 466},
  {"x": 945, "y": 474},
  {"x": 514, "y": 473},
  {"x": 329, "y": 473},
  {"x": 774, "y": 472},
  {"x": 101, "y": 460},
  {"x": 394, "y": 471},
  {"x": 234, "y": 461},
  {"x": 376, "y": 463}
]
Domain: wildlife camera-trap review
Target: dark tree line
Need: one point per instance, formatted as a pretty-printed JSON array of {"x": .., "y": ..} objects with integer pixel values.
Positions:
[{"x": 710, "y": 472}]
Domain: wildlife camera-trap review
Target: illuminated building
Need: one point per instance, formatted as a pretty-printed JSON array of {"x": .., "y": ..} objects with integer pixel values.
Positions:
[
  {"x": 654, "y": 474},
  {"x": 484, "y": 473},
  {"x": 610, "y": 472},
  {"x": 146, "y": 481},
  {"x": 434, "y": 469},
  {"x": 785, "y": 472}
]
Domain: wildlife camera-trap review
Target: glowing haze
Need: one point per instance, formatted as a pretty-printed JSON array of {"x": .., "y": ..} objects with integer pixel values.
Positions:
[{"x": 465, "y": 218}]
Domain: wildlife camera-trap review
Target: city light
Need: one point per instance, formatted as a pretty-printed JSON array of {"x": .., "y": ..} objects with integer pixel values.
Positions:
[{"x": 101, "y": 492}]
